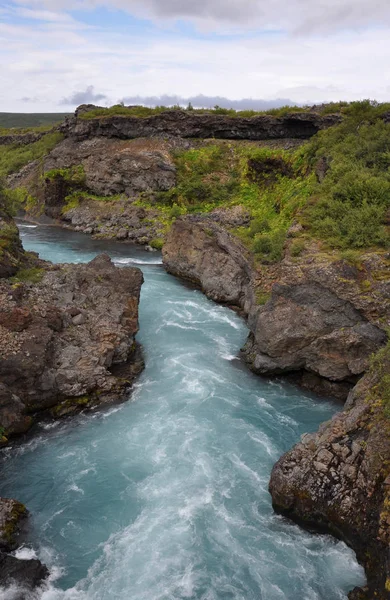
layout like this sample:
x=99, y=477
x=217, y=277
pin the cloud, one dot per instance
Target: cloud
x=299, y=16
x=27, y=100
x=201, y=101
x=56, y=61
x=85, y=97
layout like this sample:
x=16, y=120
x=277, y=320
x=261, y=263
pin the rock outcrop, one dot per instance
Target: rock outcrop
x=338, y=480
x=24, y=574
x=203, y=252
x=184, y=124
x=311, y=317
x=67, y=343
x=11, y=249
x=63, y=337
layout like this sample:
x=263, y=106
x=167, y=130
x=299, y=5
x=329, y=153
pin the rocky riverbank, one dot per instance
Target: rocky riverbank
x=67, y=336
x=313, y=320
x=267, y=231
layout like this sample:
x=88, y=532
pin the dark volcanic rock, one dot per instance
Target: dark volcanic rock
x=12, y=516
x=186, y=125
x=338, y=480
x=206, y=254
x=317, y=323
x=25, y=574
x=307, y=326
x=11, y=250
x=61, y=339
x=113, y=166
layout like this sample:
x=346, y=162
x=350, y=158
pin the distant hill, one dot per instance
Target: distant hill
x=30, y=119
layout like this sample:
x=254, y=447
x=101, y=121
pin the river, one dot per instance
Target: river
x=164, y=497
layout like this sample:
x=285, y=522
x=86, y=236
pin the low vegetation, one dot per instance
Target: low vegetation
x=30, y=120
x=336, y=187
x=14, y=157
x=346, y=206
x=380, y=366
x=120, y=110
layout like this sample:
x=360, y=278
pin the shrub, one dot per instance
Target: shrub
x=157, y=243
x=269, y=247
x=13, y=157
x=297, y=247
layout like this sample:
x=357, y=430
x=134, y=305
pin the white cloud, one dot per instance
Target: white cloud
x=58, y=57
x=302, y=16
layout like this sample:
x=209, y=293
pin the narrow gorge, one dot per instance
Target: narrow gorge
x=259, y=215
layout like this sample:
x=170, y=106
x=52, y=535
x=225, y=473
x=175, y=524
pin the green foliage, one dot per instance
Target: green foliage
x=297, y=247
x=380, y=367
x=16, y=198
x=157, y=243
x=30, y=121
x=74, y=175
x=73, y=200
x=353, y=257
x=33, y=275
x=145, y=111
x=177, y=211
x=118, y=110
x=349, y=208
x=14, y=157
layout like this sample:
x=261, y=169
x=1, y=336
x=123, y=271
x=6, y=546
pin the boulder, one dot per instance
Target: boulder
x=64, y=336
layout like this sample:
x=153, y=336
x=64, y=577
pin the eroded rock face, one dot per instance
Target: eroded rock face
x=62, y=338
x=338, y=479
x=25, y=574
x=11, y=250
x=206, y=254
x=307, y=326
x=186, y=125
x=114, y=167
x=318, y=323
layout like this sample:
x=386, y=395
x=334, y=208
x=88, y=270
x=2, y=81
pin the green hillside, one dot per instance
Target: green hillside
x=8, y=120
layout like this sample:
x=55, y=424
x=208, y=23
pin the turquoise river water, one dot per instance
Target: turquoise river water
x=165, y=497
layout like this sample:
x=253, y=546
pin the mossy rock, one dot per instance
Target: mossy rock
x=11, y=515
x=71, y=406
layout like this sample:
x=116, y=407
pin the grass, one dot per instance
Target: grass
x=30, y=120
x=349, y=208
x=380, y=366
x=32, y=275
x=119, y=110
x=73, y=200
x=14, y=157
x=74, y=175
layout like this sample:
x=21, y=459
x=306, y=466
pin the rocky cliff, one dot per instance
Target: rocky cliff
x=67, y=343
x=338, y=479
x=64, y=336
x=184, y=124
x=309, y=317
x=313, y=319
x=27, y=574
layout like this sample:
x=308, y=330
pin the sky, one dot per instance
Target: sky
x=57, y=54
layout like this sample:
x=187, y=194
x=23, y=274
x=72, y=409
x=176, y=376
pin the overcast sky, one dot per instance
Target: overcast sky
x=56, y=54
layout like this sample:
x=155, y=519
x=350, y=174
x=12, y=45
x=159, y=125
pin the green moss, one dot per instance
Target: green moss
x=262, y=297
x=32, y=275
x=71, y=405
x=74, y=175
x=10, y=527
x=157, y=243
